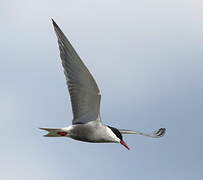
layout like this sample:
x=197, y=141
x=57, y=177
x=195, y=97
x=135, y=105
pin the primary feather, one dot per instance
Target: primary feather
x=84, y=92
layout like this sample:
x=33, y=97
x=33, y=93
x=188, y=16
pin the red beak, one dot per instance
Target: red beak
x=124, y=144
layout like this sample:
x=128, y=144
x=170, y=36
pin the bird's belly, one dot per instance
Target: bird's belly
x=89, y=134
x=91, y=140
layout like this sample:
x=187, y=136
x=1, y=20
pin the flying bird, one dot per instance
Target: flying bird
x=85, y=99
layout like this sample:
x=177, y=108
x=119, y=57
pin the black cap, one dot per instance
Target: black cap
x=116, y=132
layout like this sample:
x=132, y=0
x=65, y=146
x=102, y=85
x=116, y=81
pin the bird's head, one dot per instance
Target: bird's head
x=118, y=137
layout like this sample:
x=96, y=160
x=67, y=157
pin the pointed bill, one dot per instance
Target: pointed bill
x=124, y=144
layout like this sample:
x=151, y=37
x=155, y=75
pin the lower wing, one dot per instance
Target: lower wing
x=155, y=134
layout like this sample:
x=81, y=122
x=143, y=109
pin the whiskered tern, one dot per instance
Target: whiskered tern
x=85, y=99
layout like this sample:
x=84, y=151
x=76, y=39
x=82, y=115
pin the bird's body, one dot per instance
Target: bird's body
x=92, y=132
x=85, y=99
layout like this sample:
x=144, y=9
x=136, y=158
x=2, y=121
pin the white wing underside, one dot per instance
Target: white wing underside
x=84, y=92
x=155, y=134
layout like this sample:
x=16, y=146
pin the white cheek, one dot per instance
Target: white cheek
x=110, y=132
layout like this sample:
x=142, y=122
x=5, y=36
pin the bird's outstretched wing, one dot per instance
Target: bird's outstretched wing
x=84, y=92
x=155, y=134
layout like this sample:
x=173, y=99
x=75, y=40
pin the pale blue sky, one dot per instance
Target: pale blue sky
x=147, y=59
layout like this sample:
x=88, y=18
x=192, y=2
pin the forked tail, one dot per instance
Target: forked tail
x=54, y=132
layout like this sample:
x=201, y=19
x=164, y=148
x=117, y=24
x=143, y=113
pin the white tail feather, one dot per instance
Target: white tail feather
x=53, y=132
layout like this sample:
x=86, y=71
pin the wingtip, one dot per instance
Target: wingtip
x=54, y=23
x=161, y=132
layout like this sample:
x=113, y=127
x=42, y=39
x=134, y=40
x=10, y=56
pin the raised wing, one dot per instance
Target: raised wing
x=155, y=134
x=84, y=92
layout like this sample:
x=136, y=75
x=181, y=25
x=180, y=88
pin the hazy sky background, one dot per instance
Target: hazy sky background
x=147, y=59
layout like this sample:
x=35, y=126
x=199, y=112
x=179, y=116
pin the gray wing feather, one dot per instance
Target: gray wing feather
x=155, y=134
x=84, y=92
